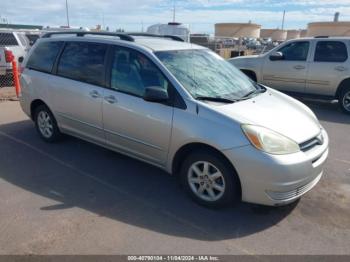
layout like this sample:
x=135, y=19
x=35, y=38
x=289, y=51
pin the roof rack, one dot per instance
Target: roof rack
x=322, y=36
x=173, y=37
x=122, y=36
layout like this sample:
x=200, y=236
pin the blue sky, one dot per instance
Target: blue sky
x=200, y=15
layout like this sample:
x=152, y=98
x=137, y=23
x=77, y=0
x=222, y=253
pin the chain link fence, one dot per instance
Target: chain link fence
x=12, y=46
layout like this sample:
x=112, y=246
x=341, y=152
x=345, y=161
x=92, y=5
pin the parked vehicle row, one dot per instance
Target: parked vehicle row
x=177, y=106
x=316, y=67
x=14, y=45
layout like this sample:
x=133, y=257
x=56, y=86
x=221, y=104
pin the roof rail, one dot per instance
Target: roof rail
x=173, y=37
x=122, y=36
x=322, y=36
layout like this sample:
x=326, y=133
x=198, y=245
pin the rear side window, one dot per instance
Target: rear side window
x=330, y=51
x=7, y=39
x=296, y=51
x=83, y=62
x=43, y=56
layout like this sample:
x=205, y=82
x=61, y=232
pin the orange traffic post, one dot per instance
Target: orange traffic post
x=16, y=78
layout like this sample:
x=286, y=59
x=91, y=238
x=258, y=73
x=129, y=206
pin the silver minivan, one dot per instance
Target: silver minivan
x=177, y=106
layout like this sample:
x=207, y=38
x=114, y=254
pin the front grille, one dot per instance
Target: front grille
x=294, y=193
x=310, y=144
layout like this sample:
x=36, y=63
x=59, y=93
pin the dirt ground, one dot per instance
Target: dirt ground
x=7, y=93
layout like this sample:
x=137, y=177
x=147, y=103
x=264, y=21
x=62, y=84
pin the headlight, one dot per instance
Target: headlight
x=269, y=141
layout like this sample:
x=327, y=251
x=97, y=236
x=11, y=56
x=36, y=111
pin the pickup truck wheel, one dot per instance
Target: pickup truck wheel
x=46, y=124
x=209, y=180
x=344, y=100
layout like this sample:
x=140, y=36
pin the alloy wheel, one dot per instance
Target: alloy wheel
x=206, y=181
x=346, y=101
x=45, y=124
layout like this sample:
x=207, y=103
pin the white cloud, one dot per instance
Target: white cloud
x=200, y=14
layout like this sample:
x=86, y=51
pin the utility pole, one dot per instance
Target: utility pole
x=284, y=14
x=67, y=13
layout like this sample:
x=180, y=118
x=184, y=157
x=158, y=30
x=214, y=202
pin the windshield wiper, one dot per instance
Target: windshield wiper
x=215, y=99
x=254, y=92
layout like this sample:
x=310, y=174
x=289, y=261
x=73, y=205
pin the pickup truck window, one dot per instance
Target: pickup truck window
x=44, y=56
x=295, y=51
x=8, y=39
x=330, y=51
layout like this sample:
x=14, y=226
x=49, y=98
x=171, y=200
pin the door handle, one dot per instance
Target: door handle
x=341, y=68
x=94, y=94
x=111, y=99
x=299, y=67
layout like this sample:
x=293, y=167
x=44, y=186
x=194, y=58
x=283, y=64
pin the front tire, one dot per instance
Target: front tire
x=46, y=124
x=210, y=180
x=344, y=100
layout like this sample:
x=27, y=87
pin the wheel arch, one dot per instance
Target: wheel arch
x=343, y=84
x=187, y=149
x=34, y=105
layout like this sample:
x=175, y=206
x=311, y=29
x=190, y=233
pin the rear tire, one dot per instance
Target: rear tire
x=210, y=180
x=344, y=100
x=46, y=124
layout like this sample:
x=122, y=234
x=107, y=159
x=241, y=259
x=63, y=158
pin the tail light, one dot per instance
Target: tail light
x=9, y=57
x=20, y=69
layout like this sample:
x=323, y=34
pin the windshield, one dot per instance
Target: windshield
x=205, y=74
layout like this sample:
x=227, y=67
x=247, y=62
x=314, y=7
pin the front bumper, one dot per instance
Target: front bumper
x=277, y=179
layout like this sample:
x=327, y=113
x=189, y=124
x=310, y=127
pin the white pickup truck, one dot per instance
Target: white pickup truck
x=12, y=43
x=317, y=67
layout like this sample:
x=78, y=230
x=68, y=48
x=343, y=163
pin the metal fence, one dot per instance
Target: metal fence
x=9, y=45
x=12, y=47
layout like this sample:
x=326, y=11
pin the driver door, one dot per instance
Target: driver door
x=132, y=125
x=290, y=73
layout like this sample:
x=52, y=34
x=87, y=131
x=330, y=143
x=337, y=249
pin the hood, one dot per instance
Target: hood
x=247, y=62
x=275, y=111
x=245, y=57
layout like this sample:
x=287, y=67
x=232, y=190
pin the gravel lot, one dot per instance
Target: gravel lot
x=77, y=198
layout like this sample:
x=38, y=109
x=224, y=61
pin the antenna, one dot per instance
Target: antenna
x=174, y=11
x=67, y=14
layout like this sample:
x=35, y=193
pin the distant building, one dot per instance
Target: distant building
x=19, y=26
x=237, y=30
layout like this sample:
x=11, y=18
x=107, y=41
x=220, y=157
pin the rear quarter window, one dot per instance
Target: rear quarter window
x=8, y=39
x=43, y=56
x=331, y=51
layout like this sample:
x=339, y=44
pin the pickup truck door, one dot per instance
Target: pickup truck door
x=328, y=68
x=290, y=73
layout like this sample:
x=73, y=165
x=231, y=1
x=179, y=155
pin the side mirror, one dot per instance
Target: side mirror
x=277, y=56
x=20, y=59
x=155, y=94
